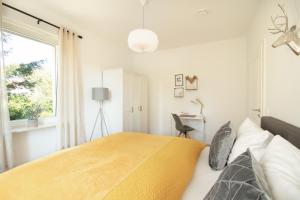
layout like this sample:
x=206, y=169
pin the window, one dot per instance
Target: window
x=30, y=77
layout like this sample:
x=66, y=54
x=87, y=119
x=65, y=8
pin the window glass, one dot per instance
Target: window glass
x=30, y=77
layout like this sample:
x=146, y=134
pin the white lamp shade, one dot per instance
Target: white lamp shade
x=142, y=40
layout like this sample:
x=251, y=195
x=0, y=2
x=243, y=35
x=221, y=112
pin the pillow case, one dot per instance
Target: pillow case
x=242, y=179
x=257, y=141
x=281, y=164
x=220, y=147
x=248, y=126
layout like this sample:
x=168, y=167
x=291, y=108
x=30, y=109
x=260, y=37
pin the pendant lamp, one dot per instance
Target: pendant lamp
x=143, y=40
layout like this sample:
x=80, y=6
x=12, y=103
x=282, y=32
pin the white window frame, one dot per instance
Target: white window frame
x=37, y=34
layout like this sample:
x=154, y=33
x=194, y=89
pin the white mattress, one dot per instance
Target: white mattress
x=203, y=179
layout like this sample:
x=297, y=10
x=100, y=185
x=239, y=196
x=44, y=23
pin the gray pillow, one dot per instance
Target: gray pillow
x=240, y=181
x=221, y=146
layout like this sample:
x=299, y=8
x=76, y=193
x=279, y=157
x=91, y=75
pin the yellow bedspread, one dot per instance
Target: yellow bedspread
x=125, y=166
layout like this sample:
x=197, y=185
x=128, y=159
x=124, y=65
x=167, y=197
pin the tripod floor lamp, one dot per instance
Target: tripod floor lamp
x=100, y=95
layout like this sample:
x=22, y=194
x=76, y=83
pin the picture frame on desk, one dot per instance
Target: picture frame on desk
x=179, y=80
x=179, y=92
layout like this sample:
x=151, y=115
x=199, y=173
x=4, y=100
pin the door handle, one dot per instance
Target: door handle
x=257, y=110
x=140, y=108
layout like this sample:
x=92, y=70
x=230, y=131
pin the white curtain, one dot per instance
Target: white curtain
x=6, y=155
x=69, y=95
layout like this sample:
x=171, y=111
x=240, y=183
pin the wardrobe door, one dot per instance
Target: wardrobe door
x=135, y=103
x=144, y=105
x=128, y=108
x=137, y=88
x=113, y=108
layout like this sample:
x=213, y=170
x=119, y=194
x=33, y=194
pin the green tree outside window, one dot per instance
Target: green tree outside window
x=29, y=88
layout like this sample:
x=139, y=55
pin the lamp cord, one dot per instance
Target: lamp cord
x=143, y=16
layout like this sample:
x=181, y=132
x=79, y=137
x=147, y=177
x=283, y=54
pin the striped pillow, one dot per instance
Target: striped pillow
x=241, y=179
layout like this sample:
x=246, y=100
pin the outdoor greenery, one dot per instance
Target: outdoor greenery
x=29, y=89
x=34, y=112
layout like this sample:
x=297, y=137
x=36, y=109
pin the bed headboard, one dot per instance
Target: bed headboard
x=284, y=129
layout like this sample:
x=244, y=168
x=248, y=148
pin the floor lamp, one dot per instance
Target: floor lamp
x=100, y=95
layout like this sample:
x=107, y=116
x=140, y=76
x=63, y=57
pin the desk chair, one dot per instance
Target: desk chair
x=183, y=129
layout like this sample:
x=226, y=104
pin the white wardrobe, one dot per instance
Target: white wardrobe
x=127, y=107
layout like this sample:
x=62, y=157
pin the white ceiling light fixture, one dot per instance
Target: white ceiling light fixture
x=202, y=11
x=143, y=40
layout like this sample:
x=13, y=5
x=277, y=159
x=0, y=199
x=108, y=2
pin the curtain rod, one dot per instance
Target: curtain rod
x=37, y=18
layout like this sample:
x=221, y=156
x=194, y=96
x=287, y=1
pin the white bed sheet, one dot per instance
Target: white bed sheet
x=203, y=179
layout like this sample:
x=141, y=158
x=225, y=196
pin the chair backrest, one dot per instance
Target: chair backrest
x=178, y=122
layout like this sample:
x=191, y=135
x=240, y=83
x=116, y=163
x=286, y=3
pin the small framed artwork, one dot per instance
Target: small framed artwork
x=191, y=82
x=178, y=80
x=179, y=92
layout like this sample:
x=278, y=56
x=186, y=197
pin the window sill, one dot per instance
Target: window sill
x=27, y=129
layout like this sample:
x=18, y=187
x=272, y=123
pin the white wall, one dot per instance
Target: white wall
x=96, y=54
x=221, y=68
x=33, y=144
x=282, y=66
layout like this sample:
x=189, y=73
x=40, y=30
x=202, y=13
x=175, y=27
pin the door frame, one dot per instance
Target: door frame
x=263, y=78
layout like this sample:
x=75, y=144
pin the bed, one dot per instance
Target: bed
x=147, y=167
x=204, y=177
x=127, y=166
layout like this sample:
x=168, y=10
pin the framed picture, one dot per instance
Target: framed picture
x=191, y=82
x=179, y=92
x=178, y=80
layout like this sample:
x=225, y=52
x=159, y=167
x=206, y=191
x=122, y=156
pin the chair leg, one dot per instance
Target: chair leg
x=186, y=134
x=179, y=134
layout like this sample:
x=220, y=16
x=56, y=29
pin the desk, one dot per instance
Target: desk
x=195, y=121
x=191, y=117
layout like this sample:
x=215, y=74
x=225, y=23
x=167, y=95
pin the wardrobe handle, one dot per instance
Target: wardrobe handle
x=132, y=109
x=141, y=108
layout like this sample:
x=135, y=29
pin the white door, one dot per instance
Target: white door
x=137, y=88
x=140, y=104
x=144, y=105
x=128, y=114
x=256, y=85
x=135, y=103
x=113, y=80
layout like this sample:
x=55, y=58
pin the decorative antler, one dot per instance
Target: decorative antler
x=278, y=27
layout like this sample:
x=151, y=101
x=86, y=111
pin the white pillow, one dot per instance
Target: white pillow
x=281, y=165
x=248, y=126
x=256, y=141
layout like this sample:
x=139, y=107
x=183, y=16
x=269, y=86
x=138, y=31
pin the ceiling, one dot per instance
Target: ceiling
x=176, y=22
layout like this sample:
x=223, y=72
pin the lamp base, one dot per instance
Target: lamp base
x=102, y=121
